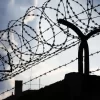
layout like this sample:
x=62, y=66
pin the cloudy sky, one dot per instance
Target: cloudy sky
x=12, y=10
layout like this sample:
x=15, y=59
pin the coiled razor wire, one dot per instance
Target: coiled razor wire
x=22, y=46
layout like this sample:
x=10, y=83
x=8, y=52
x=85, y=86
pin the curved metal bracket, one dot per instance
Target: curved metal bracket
x=83, y=46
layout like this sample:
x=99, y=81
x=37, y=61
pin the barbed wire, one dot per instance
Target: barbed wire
x=31, y=46
x=95, y=70
x=50, y=71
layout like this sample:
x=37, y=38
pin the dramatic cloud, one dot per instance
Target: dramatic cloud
x=12, y=10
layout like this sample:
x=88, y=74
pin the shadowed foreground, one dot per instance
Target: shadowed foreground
x=75, y=86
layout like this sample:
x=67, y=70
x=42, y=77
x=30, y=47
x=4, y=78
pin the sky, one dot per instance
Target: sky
x=12, y=10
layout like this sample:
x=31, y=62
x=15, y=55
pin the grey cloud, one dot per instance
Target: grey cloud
x=9, y=11
x=24, y=3
x=4, y=85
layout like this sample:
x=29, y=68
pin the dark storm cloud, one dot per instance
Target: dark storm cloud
x=11, y=10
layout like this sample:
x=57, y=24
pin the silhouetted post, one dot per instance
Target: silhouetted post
x=83, y=46
x=18, y=88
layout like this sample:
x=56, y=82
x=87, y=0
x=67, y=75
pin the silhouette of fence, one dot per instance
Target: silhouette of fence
x=29, y=55
x=33, y=47
x=10, y=91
